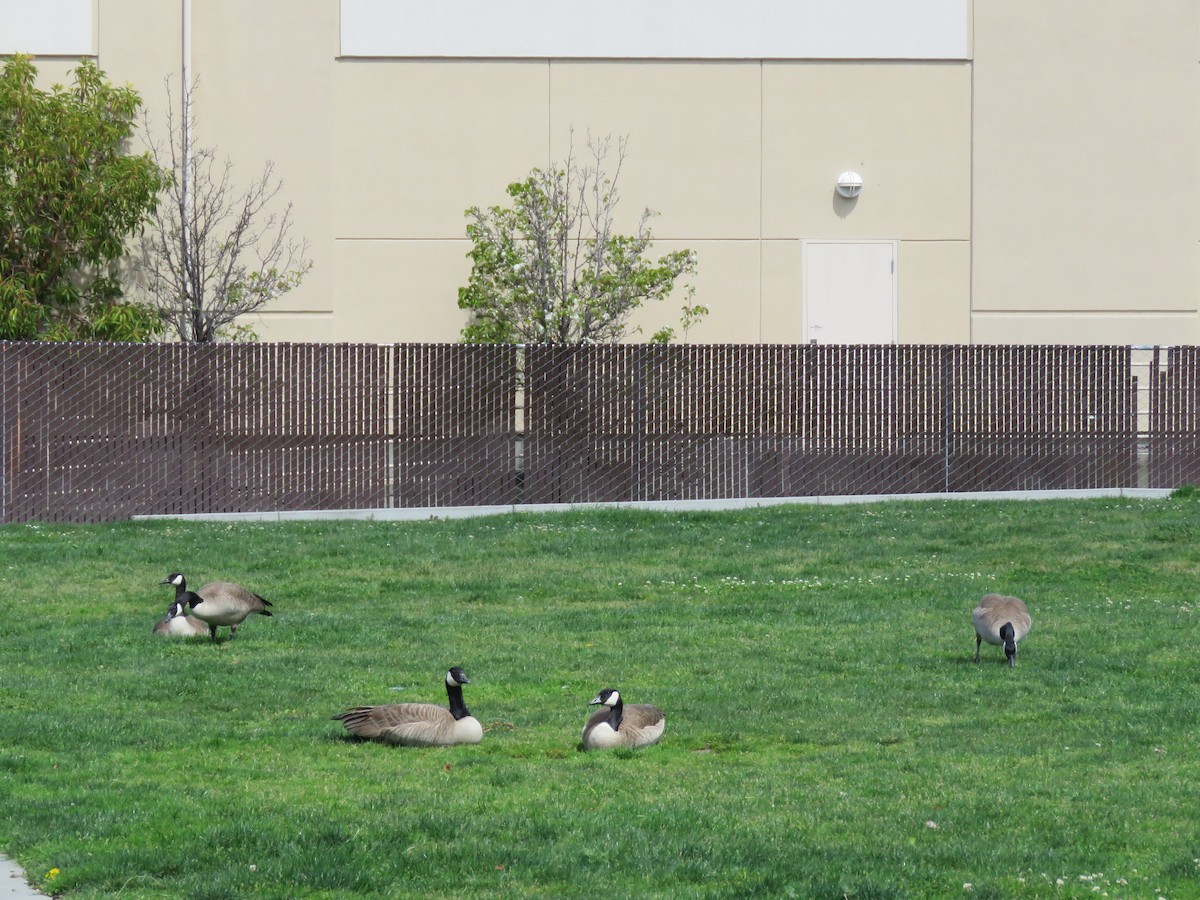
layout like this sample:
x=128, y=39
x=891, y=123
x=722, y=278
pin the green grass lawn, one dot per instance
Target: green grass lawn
x=827, y=733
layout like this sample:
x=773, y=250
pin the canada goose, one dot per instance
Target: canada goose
x=418, y=724
x=1002, y=621
x=618, y=725
x=178, y=623
x=218, y=603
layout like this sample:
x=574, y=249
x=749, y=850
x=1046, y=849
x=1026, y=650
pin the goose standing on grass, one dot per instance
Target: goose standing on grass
x=218, y=603
x=618, y=725
x=1002, y=621
x=418, y=724
x=178, y=623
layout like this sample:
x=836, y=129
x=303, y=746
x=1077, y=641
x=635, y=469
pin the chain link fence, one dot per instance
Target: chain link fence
x=101, y=432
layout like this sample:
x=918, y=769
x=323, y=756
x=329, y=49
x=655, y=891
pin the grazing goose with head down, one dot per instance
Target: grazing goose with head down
x=1002, y=621
x=621, y=725
x=218, y=603
x=418, y=724
x=178, y=623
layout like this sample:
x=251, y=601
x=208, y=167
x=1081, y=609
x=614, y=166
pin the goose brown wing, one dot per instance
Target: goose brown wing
x=235, y=593
x=646, y=724
x=399, y=723
x=643, y=715
x=1020, y=618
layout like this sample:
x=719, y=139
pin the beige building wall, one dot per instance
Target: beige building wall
x=265, y=91
x=416, y=144
x=1086, y=183
x=1041, y=177
x=738, y=158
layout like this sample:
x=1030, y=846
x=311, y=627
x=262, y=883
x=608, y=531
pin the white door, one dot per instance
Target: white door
x=850, y=292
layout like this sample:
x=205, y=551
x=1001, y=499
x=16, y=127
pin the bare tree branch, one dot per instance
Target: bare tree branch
x=213, y=254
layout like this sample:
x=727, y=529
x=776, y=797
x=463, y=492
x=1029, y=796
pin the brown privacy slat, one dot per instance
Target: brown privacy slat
x=456, y=425
x=1173, y=446
x=97, y=432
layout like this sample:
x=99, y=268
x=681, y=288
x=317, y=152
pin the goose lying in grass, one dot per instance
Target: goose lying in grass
x=418, y=724
x=178, y=623
x=1002, y=621
x=618, y=725
x=218, y=603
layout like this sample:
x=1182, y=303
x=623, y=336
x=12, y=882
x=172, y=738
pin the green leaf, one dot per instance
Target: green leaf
x=69, y=199
x=550, y=269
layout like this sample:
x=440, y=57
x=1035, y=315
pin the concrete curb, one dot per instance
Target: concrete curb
x=409, y=514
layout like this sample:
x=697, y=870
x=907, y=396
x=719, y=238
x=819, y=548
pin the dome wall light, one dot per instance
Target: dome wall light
x=849, y=184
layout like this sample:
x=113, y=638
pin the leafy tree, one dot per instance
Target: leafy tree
x=552, y=269
x=70, y=196
x=215, y=254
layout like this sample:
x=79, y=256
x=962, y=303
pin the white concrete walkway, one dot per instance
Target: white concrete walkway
x=13, y=885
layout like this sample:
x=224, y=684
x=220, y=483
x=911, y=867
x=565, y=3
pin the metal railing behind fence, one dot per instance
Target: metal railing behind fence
x=99, y=432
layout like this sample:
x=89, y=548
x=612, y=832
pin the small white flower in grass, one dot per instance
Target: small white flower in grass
x=931, y=824
x=968, y=887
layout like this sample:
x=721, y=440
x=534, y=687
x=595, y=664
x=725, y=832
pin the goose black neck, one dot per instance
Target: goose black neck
x=615, y=714
x=1009, y=636
x=458, y=709
x=186, y=597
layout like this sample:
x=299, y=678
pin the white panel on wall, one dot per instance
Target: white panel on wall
x=657, y=29
x=46, y=27
x=850, y=292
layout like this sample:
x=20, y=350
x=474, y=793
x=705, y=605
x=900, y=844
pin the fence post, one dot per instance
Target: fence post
x=520, y=416
x=947, y=413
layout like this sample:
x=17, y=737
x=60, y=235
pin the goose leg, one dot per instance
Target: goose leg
x=212, y=630
x=978, y=641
